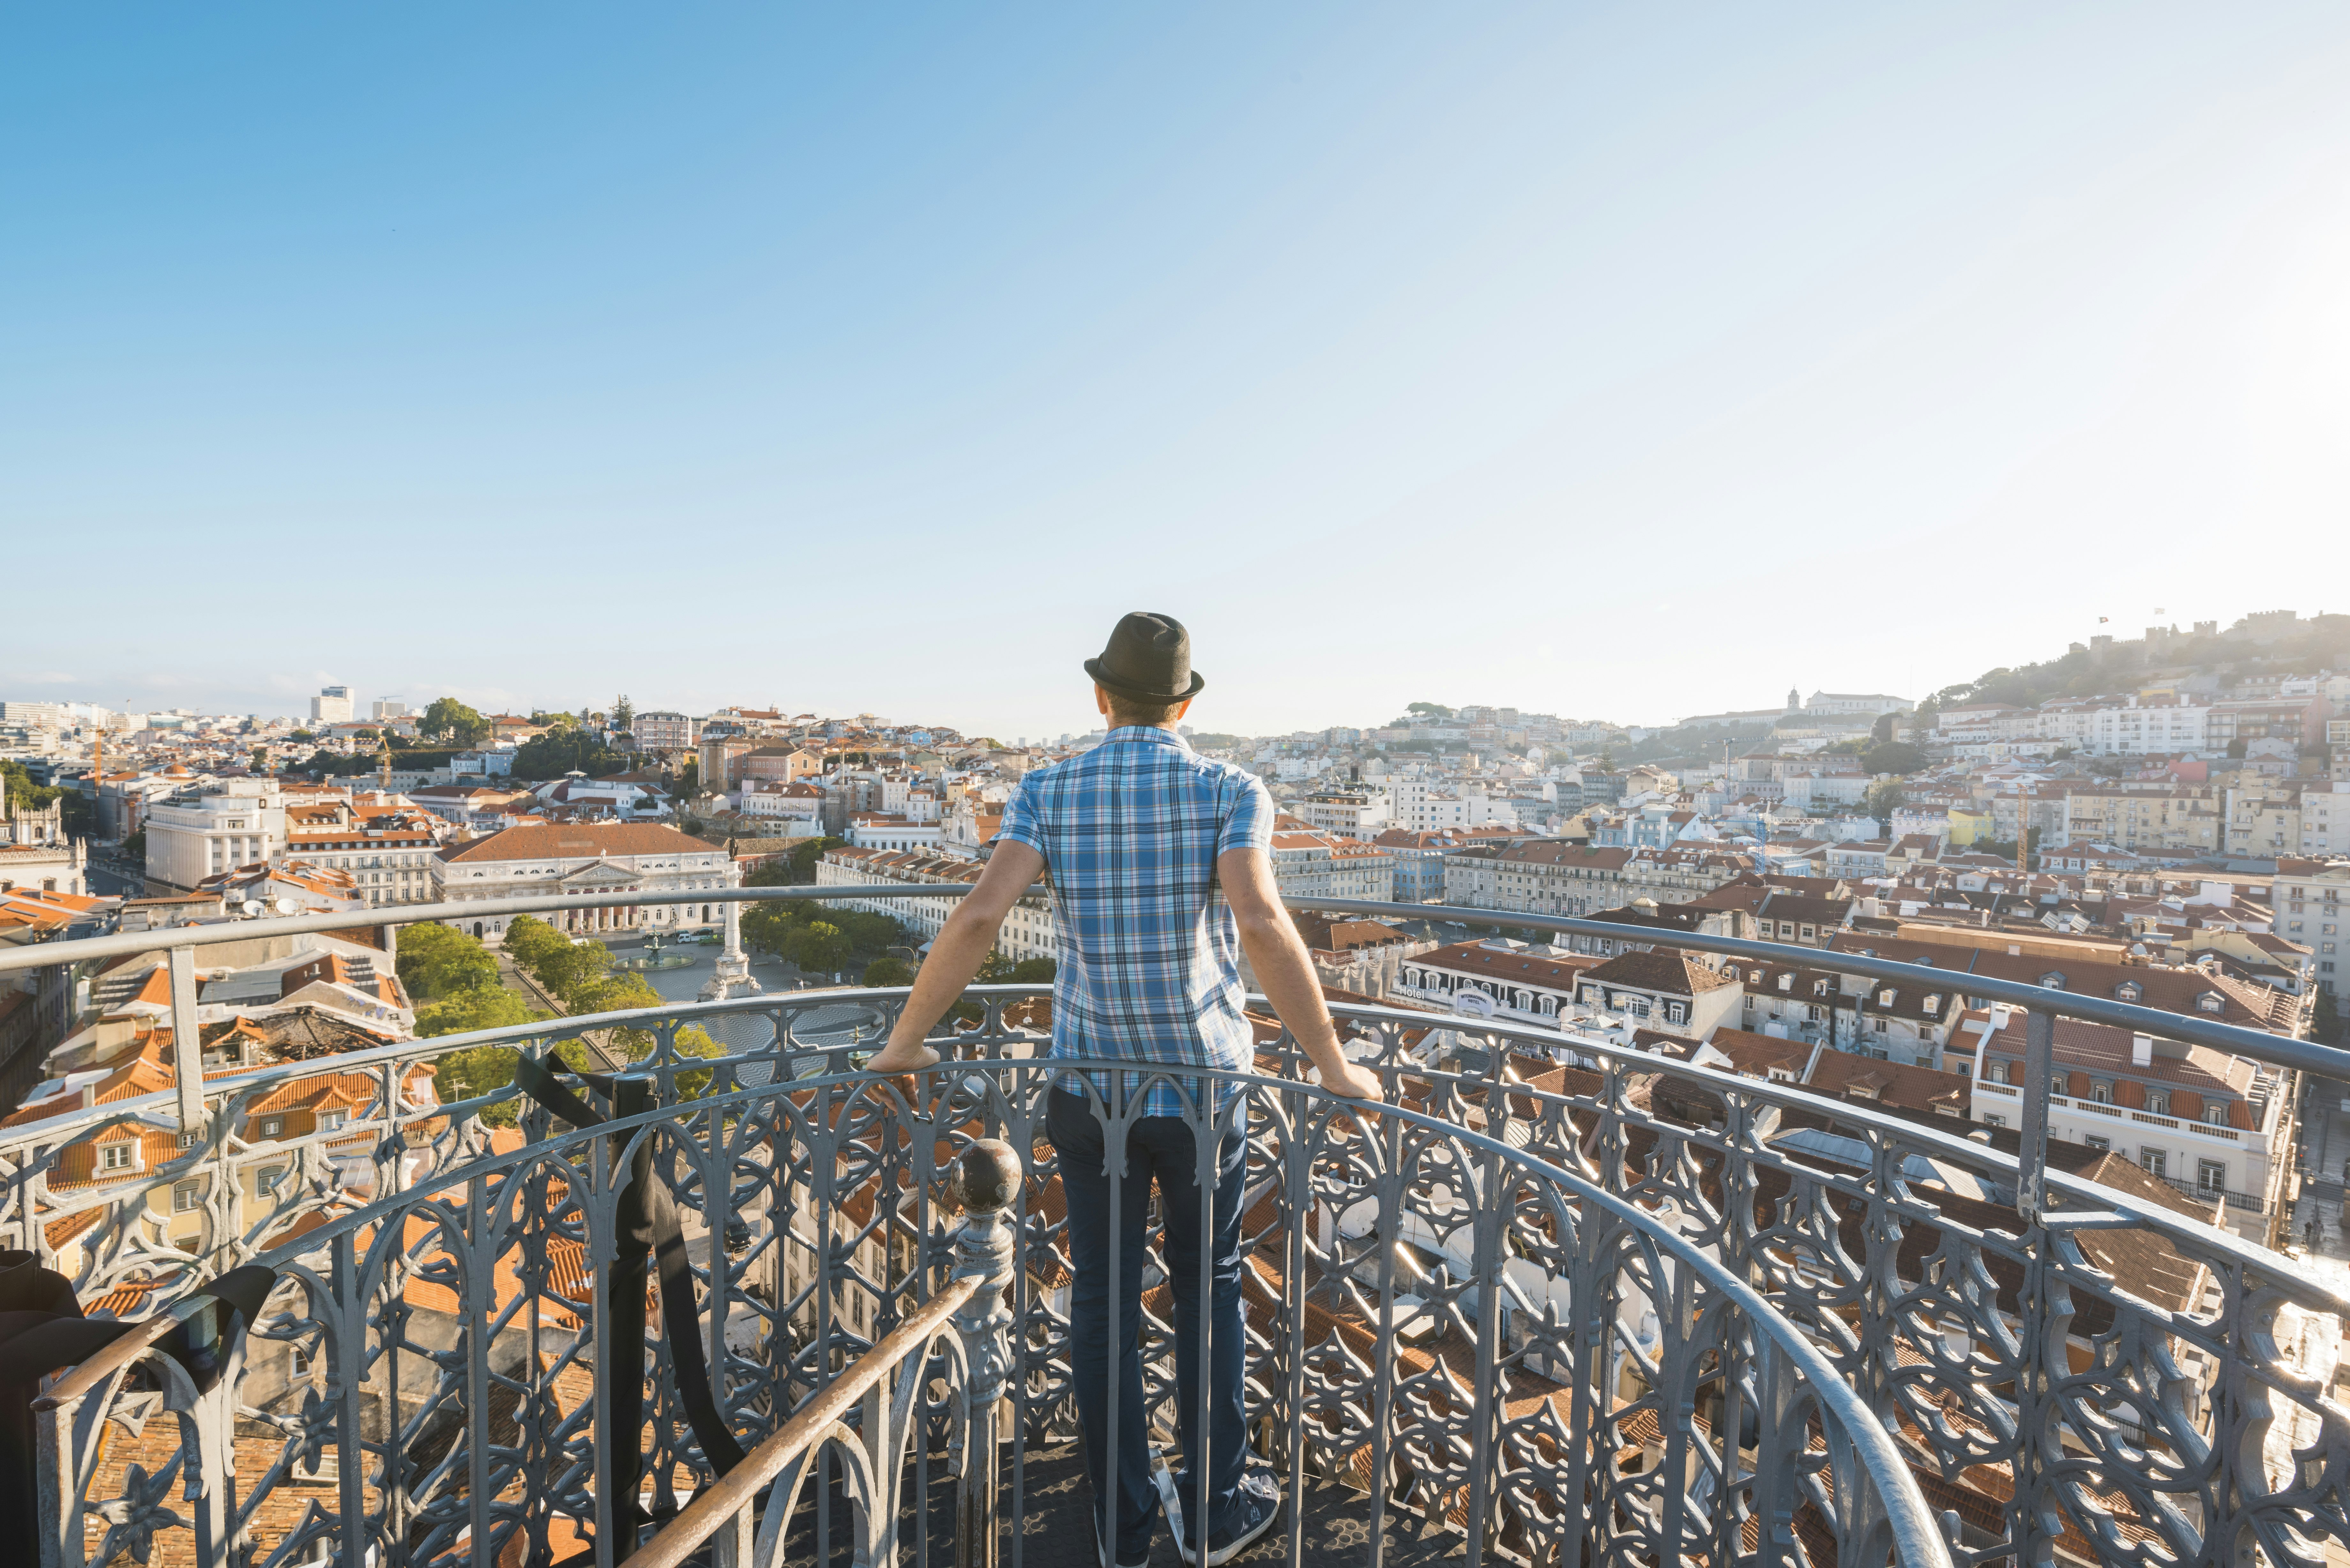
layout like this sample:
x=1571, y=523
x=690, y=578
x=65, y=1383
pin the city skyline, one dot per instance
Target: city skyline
x=296, y=704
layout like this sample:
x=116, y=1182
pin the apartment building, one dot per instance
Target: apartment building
x=1327, y=866
x=1028, y=931
x=1351, y=814
x=212, y=828
x=664, y=730
x=2308, y=897
x=2208, y=1123
x=2188, y=819
x=1507, y=981
x=1419, y=859
x=2133, y=728
x=2263, y=823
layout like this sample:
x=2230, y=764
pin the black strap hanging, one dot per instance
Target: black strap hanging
x=42, y=1330
x=647, y=1226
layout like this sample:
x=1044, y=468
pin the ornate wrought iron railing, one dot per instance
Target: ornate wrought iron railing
x=1581, y=1302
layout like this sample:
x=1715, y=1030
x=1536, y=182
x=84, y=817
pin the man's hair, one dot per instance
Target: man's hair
x=1126, y=711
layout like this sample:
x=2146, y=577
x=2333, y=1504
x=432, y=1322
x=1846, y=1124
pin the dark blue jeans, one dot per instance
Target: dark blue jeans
x=1159, y=1149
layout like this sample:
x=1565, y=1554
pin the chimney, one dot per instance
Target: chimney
x=2141, y=1050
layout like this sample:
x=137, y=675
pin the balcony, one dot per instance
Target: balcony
x=1623, y=1310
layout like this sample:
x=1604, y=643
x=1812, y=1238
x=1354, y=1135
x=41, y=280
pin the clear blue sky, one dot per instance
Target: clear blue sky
x=1614, y=361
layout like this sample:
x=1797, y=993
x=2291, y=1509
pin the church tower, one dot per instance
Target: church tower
x=1795, y=700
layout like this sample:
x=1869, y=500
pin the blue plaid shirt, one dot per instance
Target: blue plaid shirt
x=1149, y=965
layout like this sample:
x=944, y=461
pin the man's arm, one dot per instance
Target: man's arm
x=956, y=954
x=1283, y=967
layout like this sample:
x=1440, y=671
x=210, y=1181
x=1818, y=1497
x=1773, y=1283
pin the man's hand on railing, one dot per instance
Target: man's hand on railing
x=902, y=1056
x=1351, y=1079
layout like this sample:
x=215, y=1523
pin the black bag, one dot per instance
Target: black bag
x=647, y=1226
x=42, y=1331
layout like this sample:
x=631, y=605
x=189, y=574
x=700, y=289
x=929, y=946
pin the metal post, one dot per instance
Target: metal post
x=2031, y=1158
x=988, y=1179
x=187, y=1050
x=2043, y=1310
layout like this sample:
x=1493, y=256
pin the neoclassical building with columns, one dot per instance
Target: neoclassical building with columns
x=587, y=860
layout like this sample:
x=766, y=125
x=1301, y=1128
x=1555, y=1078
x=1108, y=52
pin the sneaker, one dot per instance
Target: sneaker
x=1256, y=1505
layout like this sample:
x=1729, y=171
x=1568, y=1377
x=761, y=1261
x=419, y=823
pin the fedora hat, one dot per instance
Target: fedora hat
x=1149, y=659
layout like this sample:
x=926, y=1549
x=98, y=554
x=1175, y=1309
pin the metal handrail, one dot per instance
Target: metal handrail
x=727, y=1497
x=42, y=955
x=2302, y=1055
x=1820, y=1372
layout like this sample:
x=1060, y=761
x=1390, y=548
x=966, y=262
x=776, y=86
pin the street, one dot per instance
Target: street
x=115, y=879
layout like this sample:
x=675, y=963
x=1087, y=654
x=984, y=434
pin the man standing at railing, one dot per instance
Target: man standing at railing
x=1161, y=879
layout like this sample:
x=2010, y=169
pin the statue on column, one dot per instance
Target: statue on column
x=737, y=1032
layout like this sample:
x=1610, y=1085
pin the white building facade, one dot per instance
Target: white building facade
x=584, y=861
x=212, y=828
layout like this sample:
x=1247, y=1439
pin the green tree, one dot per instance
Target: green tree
x=448, y=717
x=134, y=847
x=819, y=946
x=1428, y=710
x=559, y=751
x=1894, y=757
x=694, y=1042
x=616, y=992
x=2328, y=1024
x=1032, y=971
x=769, y=927
x=689, y=779
x=478, y=1007
x=1882, y=731
x=624, y=713
x=994, y=969
x=437, y=960
x=302, y=736
x=868, y=932
x=17, y=787
x=554, y=961
x=889, y=971
x=260, y=760
x=806, y=855
x=1884, y=797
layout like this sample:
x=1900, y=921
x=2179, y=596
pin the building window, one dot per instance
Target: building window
x=114, y=1156
x=2216, y=1113
x=332, y=1121
x=2094, y=1144
x=2211, y=1175
x=2156, y=1161
x=2159, y=1102
x=1993, y=1119
x=273, y=1127
x=2103, y=1094
x=187, y=1197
